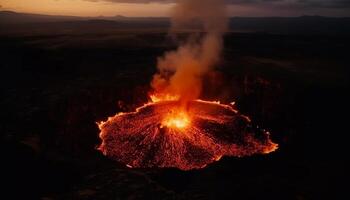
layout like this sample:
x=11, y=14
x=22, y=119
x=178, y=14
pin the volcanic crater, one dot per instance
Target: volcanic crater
x=166, y=134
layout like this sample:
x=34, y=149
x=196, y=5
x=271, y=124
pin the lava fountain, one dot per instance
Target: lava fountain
x=164, y=134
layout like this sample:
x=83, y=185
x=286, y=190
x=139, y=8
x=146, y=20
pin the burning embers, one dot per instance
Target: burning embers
x=163, y=134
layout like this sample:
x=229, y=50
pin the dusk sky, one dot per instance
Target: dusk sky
x=252, y=8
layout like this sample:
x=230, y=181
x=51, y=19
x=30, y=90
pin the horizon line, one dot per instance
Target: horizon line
x=119, y=15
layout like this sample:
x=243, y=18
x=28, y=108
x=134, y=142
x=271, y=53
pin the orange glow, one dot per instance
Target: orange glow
x=273, y=147
x=270, y=148
x=177, y=120
x=163, y=97
x=86, y=8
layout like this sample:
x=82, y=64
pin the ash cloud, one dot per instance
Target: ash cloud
x=181, y=71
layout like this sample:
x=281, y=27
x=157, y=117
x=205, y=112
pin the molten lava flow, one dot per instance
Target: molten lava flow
x=164, y=134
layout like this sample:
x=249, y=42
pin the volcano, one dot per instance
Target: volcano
x=175, y=130
x=165, y=134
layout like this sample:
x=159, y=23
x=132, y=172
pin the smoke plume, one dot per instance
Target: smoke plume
x=180, y=72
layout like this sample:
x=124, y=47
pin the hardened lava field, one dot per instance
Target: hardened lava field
x=162, y=134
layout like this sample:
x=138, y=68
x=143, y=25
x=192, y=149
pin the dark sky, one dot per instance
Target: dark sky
x=275, y=7
x=294, y=4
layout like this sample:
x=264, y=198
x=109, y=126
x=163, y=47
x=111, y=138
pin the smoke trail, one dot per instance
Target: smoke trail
x=181, y=71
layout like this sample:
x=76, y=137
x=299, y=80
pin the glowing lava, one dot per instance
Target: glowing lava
x=163, y=97
x=163, y=134
x=176, y=120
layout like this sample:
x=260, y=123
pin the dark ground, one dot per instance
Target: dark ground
x=56, y=85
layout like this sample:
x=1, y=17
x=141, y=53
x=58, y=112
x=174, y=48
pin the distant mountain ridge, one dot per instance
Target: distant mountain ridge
x=10, y=17
x=279, y=25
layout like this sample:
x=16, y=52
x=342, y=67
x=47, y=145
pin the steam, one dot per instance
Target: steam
x=180, y=72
